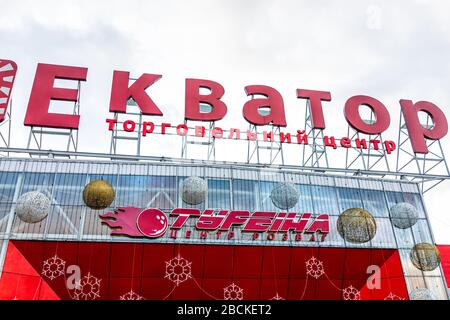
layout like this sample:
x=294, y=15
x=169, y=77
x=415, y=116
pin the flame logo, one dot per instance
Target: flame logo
x=136, y=222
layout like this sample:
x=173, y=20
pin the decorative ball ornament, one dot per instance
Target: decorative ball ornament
x=404, y=215
x=98, y=194
x=421, y=294
x=425, y=256
x=284, y=196
x=194, y=190
x=356, y=225
x=32, y=207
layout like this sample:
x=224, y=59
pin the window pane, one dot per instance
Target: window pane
x=348, y=198
x=324, y=199
x=245, y=195
x=375, y=202
x=305, y=201
x=219, y=194
x=266, y=188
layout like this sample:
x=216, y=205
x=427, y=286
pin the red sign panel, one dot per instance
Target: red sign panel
x=108, y=270
x=153, y=223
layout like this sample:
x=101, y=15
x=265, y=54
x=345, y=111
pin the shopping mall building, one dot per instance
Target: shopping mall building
x=80, y=226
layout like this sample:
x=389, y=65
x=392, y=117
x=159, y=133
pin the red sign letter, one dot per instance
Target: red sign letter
x=315, y=102
x=120, y=93
x=351, y=112
x=418, y=133
x=273, y=100
x=194, y=98
x=43, y=92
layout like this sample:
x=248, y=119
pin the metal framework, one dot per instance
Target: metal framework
x=270, y=152
x=314, y=153
x=188, y=162
x=5, y=128
x=366, y=159
x=190, y=140
x=38, y=134
x=432, y=163
x=429, y=169
x=118, y=134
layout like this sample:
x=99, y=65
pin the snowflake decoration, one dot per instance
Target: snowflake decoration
x=131, y=295
x=178, y=270
x=233, y=292
x=53, y=267
x=314, y=268
x=392, y=296
x=277, y=297
x=89, y=288
x=351, y=293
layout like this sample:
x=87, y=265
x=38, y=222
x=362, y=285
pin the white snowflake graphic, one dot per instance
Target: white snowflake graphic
x=54, y=267
x=277, y=297
x=392, y=296
x=351, y=293
x=233, y=292
x=314, y=268
x=178, y=270
x=131, y=295
x=89, y=288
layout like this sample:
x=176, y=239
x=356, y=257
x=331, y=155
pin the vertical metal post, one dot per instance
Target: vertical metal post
x=11, y=215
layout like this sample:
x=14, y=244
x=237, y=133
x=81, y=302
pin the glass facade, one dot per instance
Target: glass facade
x=230, y=187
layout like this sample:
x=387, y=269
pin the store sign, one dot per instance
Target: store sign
x=264, y=107
x=217, y=224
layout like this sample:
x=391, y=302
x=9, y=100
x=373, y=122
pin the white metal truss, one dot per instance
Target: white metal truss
x=314, y=153
x=118, y=134
x=259, y=151
x=192, y=139
x=427, y=165
x=5, y=129
x=38, y=134
x=366, y=159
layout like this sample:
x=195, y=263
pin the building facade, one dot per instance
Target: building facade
x=71, y=254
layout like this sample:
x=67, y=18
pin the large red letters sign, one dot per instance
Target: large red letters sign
x=262, y=97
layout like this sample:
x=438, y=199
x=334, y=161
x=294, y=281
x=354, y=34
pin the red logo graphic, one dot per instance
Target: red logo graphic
x=153, y=223
x=136, y=222
x=8, y=71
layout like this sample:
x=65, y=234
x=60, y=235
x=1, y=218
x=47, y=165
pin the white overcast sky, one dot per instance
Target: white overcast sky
x=387, y=49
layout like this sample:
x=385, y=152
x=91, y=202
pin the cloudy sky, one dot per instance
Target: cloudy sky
x=390, y=50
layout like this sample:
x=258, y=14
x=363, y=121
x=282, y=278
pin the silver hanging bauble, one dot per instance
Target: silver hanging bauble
x=404, y=215
x=284, y=196
x=194, y=190
x=32, y=207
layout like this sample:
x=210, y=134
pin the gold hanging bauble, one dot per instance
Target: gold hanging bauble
x=98, y=194
x=356, y=225
x=425, y=256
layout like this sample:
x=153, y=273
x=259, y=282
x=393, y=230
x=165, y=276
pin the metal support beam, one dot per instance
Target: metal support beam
x=366, y=159
x=426, y=165
x=190, y=140
x=190, y=162
x=5, y=128
x=314, y=153
x=118, y=135
x=270, y=151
